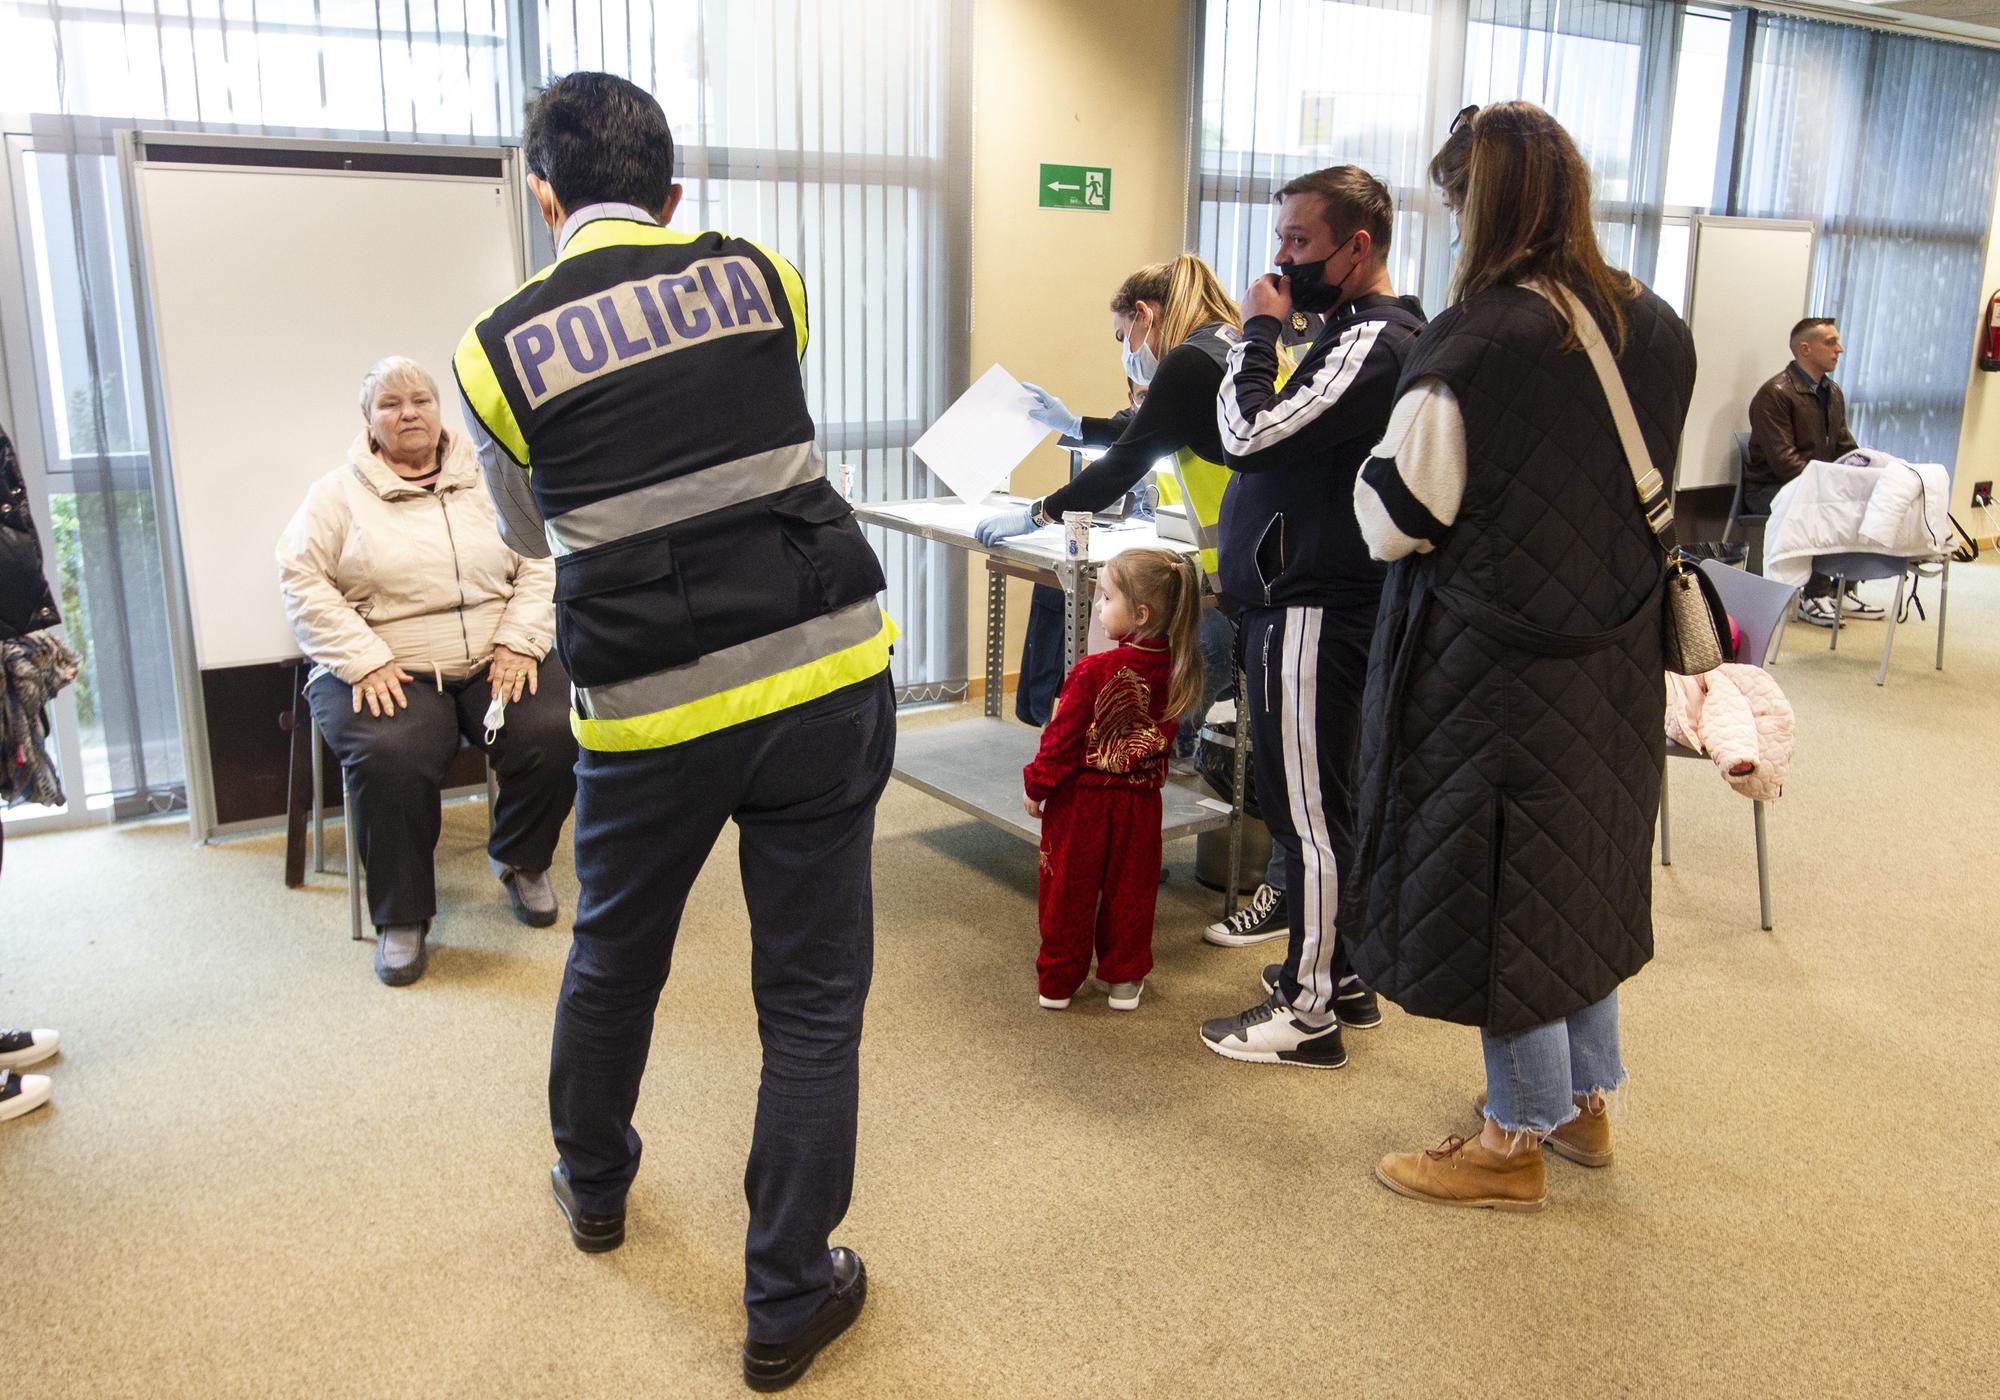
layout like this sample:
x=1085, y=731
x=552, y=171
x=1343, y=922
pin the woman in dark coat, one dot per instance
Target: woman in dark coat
x=1515, y=712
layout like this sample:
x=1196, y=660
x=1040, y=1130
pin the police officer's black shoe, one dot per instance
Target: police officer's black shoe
x=593, y=1234
x=775, y=1365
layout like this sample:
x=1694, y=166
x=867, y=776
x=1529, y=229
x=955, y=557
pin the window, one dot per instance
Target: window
x=1273, y=107
x=818, y=129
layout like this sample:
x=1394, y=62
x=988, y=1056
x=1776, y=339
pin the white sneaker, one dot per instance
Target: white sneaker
x=1270, y=1033
x=1818, y=611
x=19, y=1049
x=1124, y=996
x=21, y=1093
x=1857, y=606
x=1053, y=1003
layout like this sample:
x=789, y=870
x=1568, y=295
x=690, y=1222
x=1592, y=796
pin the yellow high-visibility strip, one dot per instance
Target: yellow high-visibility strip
x=619, y=233
x=481, y=388
x=795, y=291
x=753, y=700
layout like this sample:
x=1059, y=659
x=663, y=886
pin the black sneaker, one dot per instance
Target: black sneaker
x=1259, y=921
x=1355, y=1005
x=1269, y=1034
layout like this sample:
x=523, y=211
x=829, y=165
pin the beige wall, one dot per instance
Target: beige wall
x=1979, y=435
x=1098, y=83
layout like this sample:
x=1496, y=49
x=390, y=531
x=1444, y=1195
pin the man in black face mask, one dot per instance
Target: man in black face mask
x=1294, y=561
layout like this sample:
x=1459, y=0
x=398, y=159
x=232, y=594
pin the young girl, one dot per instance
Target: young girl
x=1096, y=782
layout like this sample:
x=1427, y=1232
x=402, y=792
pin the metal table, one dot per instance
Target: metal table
x=975, y=764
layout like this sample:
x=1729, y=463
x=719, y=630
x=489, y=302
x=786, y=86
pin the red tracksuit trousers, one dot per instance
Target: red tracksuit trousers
x=1100, y=880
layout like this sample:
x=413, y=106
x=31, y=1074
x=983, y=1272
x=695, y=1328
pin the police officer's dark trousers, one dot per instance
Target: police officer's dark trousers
x=801, y=787
x=1305, y=668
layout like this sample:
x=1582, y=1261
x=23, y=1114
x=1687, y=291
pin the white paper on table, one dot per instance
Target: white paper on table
x=976, y=443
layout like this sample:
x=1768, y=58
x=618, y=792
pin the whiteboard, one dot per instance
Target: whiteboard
x=272, y=292
x=1749, y=280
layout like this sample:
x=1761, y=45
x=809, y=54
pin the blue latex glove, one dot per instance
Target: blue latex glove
x=995, y=528
x=1052, y=412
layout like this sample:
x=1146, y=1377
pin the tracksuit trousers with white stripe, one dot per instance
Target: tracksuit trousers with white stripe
x=1305, y=668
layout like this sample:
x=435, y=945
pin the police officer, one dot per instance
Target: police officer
x=640, y=414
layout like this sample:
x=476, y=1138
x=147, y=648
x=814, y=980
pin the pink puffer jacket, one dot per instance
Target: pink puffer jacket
x=1739, y=717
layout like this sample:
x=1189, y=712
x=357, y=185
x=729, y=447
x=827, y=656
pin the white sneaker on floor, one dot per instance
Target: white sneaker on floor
x=1124, y=996
x=1857, y=606
x=19, y=1049
x=1817, y=611
x=21, y=1093
x=1053, y=1003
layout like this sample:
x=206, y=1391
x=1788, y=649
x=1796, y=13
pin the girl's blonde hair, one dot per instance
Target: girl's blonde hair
x=1187, y=293
x=1169, y=585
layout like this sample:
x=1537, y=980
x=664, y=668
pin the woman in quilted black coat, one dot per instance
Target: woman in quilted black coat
x=1510, y=767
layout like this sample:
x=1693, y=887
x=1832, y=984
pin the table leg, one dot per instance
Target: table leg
x=1240, y=762
x=1079, y=582
x=996, y=642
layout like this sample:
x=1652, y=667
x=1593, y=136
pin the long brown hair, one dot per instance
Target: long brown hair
x=1188, y=294
x=1523, y=195
x=1168, y=585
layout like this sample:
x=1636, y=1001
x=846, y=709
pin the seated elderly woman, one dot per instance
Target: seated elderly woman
x=422, y=625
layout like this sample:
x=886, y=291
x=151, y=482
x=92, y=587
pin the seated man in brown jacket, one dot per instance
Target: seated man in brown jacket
x=1800, y=416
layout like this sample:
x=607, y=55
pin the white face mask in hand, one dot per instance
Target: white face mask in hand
x=496, y=717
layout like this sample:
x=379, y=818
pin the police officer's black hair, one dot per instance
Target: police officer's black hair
x=598, y=139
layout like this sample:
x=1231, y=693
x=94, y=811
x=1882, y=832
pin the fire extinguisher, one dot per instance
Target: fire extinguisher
x=1989, y=335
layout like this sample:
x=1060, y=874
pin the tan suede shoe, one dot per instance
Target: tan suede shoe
x=1460, y=1172
x=1584, y=1140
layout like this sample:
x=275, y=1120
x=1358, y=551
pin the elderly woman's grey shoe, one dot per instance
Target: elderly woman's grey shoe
x=529, y=891
x=399, y=953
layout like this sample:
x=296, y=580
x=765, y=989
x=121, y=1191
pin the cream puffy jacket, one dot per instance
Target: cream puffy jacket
x=375, y=570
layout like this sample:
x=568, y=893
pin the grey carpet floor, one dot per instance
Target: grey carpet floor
x=265, y=1174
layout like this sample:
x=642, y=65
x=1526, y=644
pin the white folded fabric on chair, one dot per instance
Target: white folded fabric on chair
x=1893, y=507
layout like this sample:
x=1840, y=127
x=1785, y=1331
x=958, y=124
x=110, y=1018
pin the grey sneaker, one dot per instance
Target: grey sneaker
x=1124, y=996
x=1354, y=1004
x=533, y=900
x=399, y=953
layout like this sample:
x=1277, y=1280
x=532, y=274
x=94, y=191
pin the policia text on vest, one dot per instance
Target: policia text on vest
x=645, y=392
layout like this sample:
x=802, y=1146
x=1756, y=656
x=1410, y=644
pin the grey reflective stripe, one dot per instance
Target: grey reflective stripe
x=755, y=660
x=685, y=497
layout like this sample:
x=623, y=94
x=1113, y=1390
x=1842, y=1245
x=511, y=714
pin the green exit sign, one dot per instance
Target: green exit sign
x=1075, y=187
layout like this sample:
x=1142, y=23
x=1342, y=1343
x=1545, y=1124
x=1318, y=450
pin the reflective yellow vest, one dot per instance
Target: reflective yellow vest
x=707, y=573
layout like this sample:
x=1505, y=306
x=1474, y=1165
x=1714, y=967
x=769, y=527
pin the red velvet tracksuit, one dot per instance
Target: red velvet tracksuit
x=1102, y=763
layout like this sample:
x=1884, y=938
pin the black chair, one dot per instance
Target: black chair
x=1752, y=525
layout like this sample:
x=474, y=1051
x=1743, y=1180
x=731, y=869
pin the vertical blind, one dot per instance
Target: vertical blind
x=1887, y=142
x=819, y=128
x=1605, y=70
x=1284, y=91
x=1281, y=95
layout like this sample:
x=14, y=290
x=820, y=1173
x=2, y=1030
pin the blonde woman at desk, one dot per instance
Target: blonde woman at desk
x=1174, y=326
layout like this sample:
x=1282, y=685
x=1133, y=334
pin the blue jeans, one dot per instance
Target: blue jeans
x=1531, y=1075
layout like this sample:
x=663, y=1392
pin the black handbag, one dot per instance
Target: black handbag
x=1694, y=626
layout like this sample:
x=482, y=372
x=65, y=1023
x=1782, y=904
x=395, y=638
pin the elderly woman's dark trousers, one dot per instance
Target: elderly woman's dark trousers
x=395, y=768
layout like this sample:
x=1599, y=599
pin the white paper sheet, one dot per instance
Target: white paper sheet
x=976, y=443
